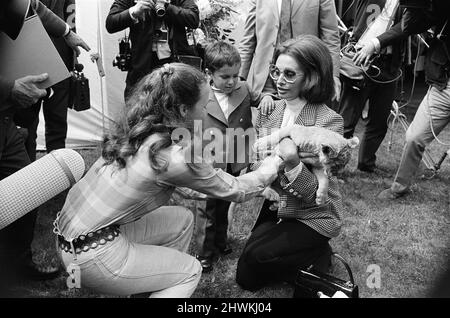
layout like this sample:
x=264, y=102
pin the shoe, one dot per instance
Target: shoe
x=206, y=262
x=368, y=169
x=389, y=194
x=33, y=271
x=226, y=250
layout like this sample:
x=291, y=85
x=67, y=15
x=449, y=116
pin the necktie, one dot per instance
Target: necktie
x=285, y=30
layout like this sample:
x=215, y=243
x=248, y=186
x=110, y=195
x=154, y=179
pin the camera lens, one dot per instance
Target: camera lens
x=160, y=9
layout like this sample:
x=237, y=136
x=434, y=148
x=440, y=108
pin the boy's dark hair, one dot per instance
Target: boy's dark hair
x=221, y=53
x=315, y=61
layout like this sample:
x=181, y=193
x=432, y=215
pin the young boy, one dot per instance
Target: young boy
x=227, y=126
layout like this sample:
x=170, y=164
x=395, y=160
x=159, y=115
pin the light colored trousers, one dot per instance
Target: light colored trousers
x=148, y=256
x=419, y=134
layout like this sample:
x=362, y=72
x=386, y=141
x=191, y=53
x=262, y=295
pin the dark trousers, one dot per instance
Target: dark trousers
x=211, y=224
x=55, y=115
x=380, y=97
x=16, y=238
x=276, y=251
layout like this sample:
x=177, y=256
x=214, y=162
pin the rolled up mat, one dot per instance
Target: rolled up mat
x=37, y=183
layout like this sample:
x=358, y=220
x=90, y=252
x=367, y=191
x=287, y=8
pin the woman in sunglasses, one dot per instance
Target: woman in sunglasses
x=292, y=231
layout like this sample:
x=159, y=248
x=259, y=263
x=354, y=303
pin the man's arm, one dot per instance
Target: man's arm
x=247, y=44
x=119, y=17
x=329, y=32
x=186, y=14
x=413, y=21
x=55, y=26
x=5, y=91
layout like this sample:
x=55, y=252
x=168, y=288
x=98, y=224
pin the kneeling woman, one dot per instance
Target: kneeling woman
x=114, y=225
x=296, y=234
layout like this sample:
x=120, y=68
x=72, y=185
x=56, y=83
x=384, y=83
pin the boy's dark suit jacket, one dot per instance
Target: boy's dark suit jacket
x=226, y=137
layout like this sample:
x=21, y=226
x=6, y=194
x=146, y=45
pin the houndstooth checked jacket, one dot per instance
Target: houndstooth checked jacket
x=298, y=197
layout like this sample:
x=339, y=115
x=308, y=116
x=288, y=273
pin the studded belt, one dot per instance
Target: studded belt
x=84, y=243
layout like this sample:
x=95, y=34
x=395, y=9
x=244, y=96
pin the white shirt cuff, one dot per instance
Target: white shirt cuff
x=292, y=174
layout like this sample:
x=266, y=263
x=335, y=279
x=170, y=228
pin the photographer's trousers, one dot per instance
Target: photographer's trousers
x=380, y=98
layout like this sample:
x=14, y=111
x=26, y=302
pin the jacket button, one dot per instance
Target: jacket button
x=241, y=120
x=283, y=204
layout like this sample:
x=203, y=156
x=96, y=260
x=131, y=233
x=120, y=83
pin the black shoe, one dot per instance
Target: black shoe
x=206, y=262
x=226, y=250
x=368, y=169
x=33, y=271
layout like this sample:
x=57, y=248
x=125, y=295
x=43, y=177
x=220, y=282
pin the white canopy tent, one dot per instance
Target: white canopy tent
x=85, y=129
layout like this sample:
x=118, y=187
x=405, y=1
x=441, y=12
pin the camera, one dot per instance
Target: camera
x=79, y=97
x=123, y=59
x=160, y=8
x=161, y=34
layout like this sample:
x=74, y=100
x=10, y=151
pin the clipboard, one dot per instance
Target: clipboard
x=32, y=53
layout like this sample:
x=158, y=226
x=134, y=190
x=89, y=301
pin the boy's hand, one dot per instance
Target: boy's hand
x=266, y=105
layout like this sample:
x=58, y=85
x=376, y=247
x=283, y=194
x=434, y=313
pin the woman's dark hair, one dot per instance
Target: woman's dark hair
x=153, y=107
x=315, y=61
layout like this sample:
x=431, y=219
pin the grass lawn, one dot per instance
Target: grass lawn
x=407, y=238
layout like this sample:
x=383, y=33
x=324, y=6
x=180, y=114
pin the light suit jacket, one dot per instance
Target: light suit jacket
x=299, y=196
x=257, y=46
x=227, y=148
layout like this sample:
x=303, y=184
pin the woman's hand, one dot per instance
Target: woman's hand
x=266, y=105
x=310, y=159
x=364, y=54
x=288, y=151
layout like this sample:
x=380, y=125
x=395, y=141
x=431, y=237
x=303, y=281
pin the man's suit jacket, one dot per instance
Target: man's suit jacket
x=229, y=149
x=298, y=197
x=257, y=46
x=179, y=14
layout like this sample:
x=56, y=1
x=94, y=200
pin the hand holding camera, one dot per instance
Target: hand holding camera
x=141, y=7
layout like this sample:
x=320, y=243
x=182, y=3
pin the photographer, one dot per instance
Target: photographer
x=157, y=33
x=433, y=113
x=378, y=89
x=16, y=261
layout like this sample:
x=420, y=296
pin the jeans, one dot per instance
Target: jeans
x=149, y=255
x=419, y=133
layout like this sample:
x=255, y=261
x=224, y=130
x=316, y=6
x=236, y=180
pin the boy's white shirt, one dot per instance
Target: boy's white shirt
x=223, y=100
